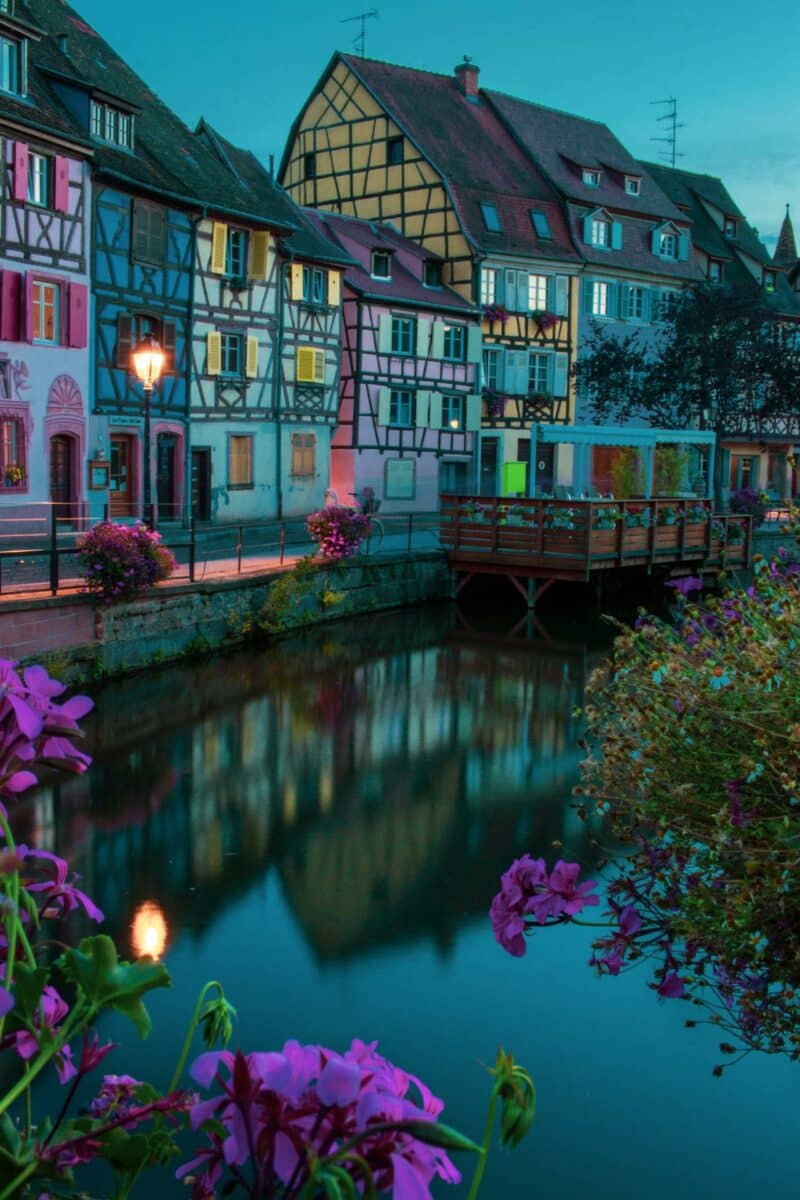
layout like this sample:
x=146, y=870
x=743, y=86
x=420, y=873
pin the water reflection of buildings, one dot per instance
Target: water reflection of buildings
x=389, y=787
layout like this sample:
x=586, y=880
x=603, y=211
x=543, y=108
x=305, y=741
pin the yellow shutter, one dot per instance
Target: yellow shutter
x=251, y=368
x=219, y=243
x=214, y=354
x=319, y=366
x=334, y=289
x=305, y=364
x=259, y=255
x=297, y=281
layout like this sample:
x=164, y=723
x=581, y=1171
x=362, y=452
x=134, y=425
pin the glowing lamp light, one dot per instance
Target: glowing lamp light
x=149, y=930
x=148, y=362
x=455, y=423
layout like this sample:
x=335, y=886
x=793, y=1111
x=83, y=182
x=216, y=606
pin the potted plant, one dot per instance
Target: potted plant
x=669, y=470
x=736, y=534
x=472, y=511
x=637, y=517
x=627, y=475
x=560, y=518
x=605, y=517
x=668, y=515
x=696, y=513
x=14, y=475
x=515, y=514
x=544, y=319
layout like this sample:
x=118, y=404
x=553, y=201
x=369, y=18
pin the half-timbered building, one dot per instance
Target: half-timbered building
x=429, y=154
x=410, y=405
x=44, y=356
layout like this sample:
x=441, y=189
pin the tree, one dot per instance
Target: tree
x=722, y=359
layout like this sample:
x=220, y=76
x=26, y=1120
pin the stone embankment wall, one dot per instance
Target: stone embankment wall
x=80, y=639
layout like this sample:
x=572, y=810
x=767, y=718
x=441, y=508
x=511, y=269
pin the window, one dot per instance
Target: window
x=455, y=477
x=770, y=281
x=537, y=292
x=455, y=343
x=232, y=351
x=39, y=176
x=309, y=166
x=601, y=233
x=394, y=151
x=453, y=412
x=12, y=66
x=635, y=303
x=492, y=373
x=668, y=302
x=149, y=227
x=537, y=373
x=432, y=273
x=240, y=460
x=591, y=177
x=730, y=227
x=668, y=245
x=315, y=285
x=633, y=185
x=488, y=286
x=399, y=482
x=541, y=224
x=236, y=254
x=7, y=6
x=12, y=454
x=304, y=454
x=490, y=217
x=381, y=265
x=599, y=305
x=46, y=306
x=401, y=409
x=714, y=270
x=310, y=365
x=404, y=332
x=111, y=125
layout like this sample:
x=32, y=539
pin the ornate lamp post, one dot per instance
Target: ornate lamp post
x=148, y=363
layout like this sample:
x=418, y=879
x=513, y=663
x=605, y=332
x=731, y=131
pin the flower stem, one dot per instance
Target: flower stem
x=193, y=1023
x=480, y=1166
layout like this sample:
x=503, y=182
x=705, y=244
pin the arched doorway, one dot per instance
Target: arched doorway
x=62, y=476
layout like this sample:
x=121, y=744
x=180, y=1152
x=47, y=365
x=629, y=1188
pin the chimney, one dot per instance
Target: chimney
x=466, y=74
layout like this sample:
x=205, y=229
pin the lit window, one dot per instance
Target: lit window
x=149, y=228
x=111, y=125
x=668, y=245
x=488, y=286
x=46, y=305
x=394, y=151
x=491, y=218
x=240, y=460
x=236, y=254
x=310, y=166
x=541, y=224
x=38, y=180
x=591, y=178
x=492, y=374
x=432, y=273
x=601, y=233
x=635, y=303
x=730, y=227
x=13, y=473
x=633, y=185
x=404, y=332
x=315, y=285
x=12, y=66
x=401, y=409
x=381, y=265
x=232, y=349
x=537, y=293
x=304, y=454
x=455, y=343
x=599, y=298
x=714, y=270
x=770, y=281
x=453, y=412
x=537, y=373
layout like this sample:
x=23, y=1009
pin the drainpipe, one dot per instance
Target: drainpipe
x=277, y=379
x=187, y=442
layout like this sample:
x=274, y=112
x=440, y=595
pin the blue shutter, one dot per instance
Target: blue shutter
x=550, y=301
x=511, y=290
x=587, y=229
x=616, y=235
x=655, y=241
x=587, y=296
x=560, y=374
x=613, y=299
x=561, y=302
x=683, y=246
x=624, y=292
x=523, y=291
x=646, y=306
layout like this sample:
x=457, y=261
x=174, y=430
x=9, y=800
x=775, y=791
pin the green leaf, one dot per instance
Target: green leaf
x=29, y=984
x=434, y=1133
x=125, y=1151
x=9, y=1135
x=108, y=983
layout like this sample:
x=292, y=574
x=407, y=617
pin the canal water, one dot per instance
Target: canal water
x=322, y=824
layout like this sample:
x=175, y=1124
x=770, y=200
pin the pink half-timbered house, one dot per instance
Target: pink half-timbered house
x=44, y=359
x=410, y=405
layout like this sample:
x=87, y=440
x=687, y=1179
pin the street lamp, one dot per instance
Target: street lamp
x=148, y=363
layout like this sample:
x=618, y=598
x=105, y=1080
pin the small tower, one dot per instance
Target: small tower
x=785, y=254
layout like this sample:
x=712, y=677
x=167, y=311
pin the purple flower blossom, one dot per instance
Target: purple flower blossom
x=527, y=890
x=686, y=584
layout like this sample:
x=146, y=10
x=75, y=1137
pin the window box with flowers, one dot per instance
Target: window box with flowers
x=736, y=533
x=495, y=404
x=697, y=517
x=14, y=476
x=668, y=530
x=496, y=312
x=514, y=514
x=472, y=511
x=605, y=523
x=545, y=320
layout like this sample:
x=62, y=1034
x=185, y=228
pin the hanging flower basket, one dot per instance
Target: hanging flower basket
x=496, y=312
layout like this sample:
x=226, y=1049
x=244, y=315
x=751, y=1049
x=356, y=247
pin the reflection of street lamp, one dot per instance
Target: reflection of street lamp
x=148, y=363
x=149, y=930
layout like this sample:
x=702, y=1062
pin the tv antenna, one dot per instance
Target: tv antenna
x=673, y=125
x=361, y=39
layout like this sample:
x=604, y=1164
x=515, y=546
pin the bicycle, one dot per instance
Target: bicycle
x=366, y=504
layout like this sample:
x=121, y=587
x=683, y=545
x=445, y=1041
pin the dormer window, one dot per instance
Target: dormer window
x=670, y=242
x=601, y=232
x=714, y=270
x=591, y=177
x=491, y=217
x=541, y=224
x=381, y=265
x=432, y=273
x=13, y=57
x=730, y=227
x=770, y=281
x=633, y=185
x=668, y=245
x=112, y=125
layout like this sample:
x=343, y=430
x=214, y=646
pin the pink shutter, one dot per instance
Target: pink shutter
x=27, y=308
x=10, y=305
x=61, y=185
x=78, y=324
x=20, y=171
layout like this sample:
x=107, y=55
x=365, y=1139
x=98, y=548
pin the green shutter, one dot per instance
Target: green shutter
x=385, y=334
x=435, y=411
x=560, y=374
x=588, y=285
x=613, y=299
x=683, y=246
x=561, y=295
x=384, y=406
x=655, y=241
x=616, y=235
x=421, y=408
x=510, y=290
x=587, y=229
x=437, y=340
x=474, y=343
x=423, y=337
x=646, y=306
x=473, y=422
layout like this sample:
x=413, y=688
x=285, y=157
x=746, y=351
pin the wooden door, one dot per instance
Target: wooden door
x=201, y=483
x=61, y=476
x=121, y=481
x=166, y=462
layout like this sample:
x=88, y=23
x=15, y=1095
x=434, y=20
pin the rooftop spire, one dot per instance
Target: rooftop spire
x=785, y=254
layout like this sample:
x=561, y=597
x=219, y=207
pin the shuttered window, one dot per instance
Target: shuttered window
x=488, y=286
x=455, y=343
x=13, y=469
x=240, y=460
x=39, y=180
x=232, y=351
x=404, y=335
x=538, y=373
x=401, y=409
x=537, y=293
x=149, y=228
x=46, y=299
x=453, y=411
x=310, y=365
x=304, y=453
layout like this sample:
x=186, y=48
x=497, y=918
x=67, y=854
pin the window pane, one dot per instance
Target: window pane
x=541, y=224
x=491, y=218
x=240, y=462
x=537, y=292
x=488, y=286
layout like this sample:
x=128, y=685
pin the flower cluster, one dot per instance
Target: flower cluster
x=530, y=896
x=496, y=312
x=282, y=1117
x=118, y=561
x=750, y=502
x=338, y=530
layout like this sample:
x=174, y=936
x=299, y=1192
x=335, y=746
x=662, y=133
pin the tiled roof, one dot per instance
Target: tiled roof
x=563, y=144
x=359, y=238
x=168, y=158
x=636, y=253
x=785, y=254
x=39, y=110
x=474, y=152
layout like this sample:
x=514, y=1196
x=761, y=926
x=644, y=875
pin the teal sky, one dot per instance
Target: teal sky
x=248, y=66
